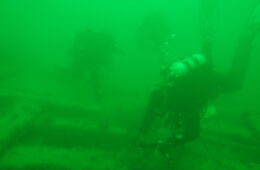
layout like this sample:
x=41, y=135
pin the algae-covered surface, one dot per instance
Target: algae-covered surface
x=65, y=142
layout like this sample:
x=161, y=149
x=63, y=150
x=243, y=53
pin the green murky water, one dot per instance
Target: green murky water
x=76, y=77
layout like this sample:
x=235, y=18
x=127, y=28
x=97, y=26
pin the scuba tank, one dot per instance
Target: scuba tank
x=183, y=67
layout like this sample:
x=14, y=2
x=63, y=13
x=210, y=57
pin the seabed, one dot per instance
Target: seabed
x=48, y=135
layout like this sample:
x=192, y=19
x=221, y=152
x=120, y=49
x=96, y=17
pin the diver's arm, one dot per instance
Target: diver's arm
x=149, y=118
x=153, y=110
x=241, y=61
x=243, y=53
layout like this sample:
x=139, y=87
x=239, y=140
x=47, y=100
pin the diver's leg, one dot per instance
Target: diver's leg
x=243, y=53
x=154, y=108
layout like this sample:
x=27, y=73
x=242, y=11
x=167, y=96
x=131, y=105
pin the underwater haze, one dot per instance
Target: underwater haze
x=78, y=76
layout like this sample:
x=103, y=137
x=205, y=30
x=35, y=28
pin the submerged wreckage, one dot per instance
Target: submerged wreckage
x=39, y=134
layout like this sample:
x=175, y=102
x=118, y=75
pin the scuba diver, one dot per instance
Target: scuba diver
x=189, y=86
x=92, y=57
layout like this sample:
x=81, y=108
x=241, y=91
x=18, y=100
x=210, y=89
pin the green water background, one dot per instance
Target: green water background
x=38, y=35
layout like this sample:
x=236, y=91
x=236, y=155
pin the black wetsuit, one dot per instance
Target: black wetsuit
x=187, y=97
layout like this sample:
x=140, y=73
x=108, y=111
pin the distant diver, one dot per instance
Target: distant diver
x=92, y=57
x=154, y=36
x=189, y=86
